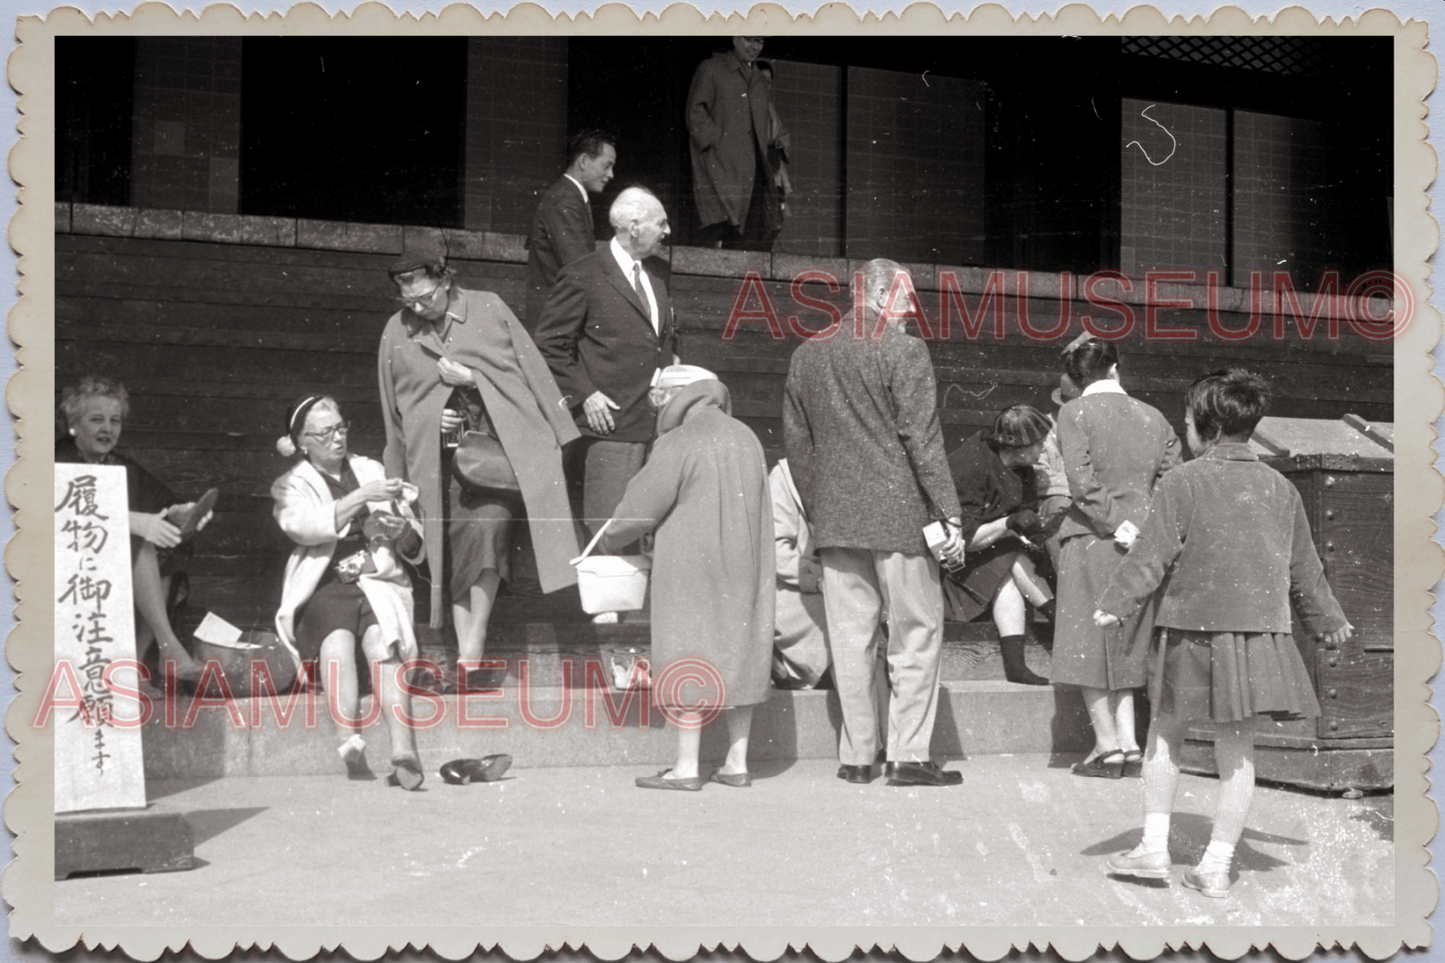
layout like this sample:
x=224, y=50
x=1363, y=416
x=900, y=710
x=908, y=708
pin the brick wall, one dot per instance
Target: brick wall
x=1172, y=211
x=516, y=128
x=915, y=167
x=186, y=144
x=809, y=100
x=1283, y=217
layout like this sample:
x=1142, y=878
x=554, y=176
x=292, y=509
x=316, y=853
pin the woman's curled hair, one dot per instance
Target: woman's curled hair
x=74, y=397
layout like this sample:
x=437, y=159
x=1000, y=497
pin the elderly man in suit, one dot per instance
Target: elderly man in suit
x=860, y=422
x=729, y=124
x=562, y=228
x=606, y=330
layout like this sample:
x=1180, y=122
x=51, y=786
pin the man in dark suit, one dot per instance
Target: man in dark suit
x=562, y=228
x=860, y=422
x=606, y=330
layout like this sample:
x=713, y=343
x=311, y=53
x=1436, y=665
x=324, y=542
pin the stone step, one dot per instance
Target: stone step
x=970, y=649
x=550, y=726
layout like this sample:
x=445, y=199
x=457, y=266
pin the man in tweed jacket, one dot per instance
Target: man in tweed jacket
x=860, y=421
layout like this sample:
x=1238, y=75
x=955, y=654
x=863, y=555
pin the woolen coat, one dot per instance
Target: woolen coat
x=860, y=422
x=522, y=401
x=306, y=511
x=704, y=491
x=596, y=334
x=728, y=123
x=1115, y=449
x=562, y=232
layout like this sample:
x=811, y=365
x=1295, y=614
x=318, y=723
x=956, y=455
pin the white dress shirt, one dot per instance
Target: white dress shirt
x=625, y=261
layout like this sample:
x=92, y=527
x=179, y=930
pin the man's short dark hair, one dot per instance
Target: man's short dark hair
x=1229, y=402
x=588, y=142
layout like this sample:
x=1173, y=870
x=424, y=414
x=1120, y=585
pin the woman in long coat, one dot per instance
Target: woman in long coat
x=705, y=492
x=1115, y=449
x=449, y=349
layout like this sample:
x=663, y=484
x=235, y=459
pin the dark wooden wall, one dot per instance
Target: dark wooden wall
x=215, y=340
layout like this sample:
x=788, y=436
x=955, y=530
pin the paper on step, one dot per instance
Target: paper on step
x=215, y=630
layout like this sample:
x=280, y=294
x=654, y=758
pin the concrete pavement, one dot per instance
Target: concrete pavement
x=1021, y=842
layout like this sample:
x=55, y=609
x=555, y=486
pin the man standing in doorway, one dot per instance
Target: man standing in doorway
x=562, y=228
x=729, y=124
x=606, y=330
x=860, y=422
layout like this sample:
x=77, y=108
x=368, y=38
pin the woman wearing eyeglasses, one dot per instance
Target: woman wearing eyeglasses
x=450, y=354
x=346, y=599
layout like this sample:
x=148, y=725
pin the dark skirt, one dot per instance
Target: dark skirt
x=334, y=606
x=478, y=533
x=1230, y=677
x=968, y=594
x=1085, y=655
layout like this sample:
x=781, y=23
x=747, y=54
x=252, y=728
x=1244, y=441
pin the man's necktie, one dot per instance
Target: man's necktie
x=637, y=283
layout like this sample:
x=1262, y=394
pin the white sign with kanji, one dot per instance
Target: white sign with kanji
x=98, y=763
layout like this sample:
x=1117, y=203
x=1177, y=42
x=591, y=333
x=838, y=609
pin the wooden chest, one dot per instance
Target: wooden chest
x=1344, y=471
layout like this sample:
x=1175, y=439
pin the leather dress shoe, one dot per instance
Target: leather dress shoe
x=1214, y=884
x=927, y=773
x=857, y=775
x=1144, y=865
x=464, y=772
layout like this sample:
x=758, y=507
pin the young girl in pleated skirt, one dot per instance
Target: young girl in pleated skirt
x=1230, y=536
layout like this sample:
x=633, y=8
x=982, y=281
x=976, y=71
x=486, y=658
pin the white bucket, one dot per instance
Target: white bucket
x=611, y=583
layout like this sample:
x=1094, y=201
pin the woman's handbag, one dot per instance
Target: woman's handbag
x=480, y=463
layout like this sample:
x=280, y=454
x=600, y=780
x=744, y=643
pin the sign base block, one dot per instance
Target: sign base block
x=134, y=840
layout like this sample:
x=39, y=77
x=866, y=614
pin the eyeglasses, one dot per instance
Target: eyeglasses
x=421, y=300
x=325, y=437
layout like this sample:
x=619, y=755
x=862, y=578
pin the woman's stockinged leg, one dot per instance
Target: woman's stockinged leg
x=150, y=601
x=1101, y=715
x=1122, y=701
x=1009, y=610
x=689, y=743
x=395, y=701
x=1028, y=583
x=338, y=671
x=740, y=727
x=471, y=615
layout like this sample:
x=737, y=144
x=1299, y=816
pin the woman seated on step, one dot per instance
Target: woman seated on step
x=92, y=414
x=993, y=472
x=346, y=598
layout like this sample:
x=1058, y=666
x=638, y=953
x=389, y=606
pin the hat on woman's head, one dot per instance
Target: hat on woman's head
x=681, y=375
x=290, y=443
x=1018, y=427
x=416, y=257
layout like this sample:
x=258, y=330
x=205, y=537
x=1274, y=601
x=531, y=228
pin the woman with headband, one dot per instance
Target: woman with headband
x=346, y=599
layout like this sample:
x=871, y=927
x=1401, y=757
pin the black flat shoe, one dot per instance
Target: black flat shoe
x=923, y=774
x=464, y=772
x=1110, y=765
x=857, y=775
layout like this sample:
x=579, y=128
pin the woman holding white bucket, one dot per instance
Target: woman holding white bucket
x=705, y=492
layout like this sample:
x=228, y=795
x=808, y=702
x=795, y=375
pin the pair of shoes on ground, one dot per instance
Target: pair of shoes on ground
x=927, y=773
x=1143, y=864
x=738, y=780
x=464, y=772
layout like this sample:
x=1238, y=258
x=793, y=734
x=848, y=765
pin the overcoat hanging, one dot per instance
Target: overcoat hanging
x=727, y=118
x=522, y=400
x=705, y=491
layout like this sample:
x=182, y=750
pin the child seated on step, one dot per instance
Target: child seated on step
x=1231, y=537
